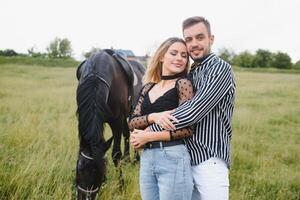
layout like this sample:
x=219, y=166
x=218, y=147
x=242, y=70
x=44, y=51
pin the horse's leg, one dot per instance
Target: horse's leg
x=126, y=139
x=136, y=156
x=126, y=135
x=116, y=127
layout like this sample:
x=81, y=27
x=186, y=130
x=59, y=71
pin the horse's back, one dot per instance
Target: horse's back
x=114, y=77
x=139, y=71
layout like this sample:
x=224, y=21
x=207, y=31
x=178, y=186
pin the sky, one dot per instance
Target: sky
x=141, y=25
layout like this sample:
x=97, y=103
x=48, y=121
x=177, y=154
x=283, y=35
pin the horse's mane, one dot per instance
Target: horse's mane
x=91, y=114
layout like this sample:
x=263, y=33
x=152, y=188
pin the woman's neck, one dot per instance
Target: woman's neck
x=172, y=76
x=166, y=83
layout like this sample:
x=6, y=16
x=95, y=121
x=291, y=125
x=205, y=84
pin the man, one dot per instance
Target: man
x=210, y=111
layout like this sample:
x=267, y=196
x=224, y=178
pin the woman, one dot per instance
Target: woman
x=165, y=171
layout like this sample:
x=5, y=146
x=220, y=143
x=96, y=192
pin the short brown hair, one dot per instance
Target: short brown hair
x=195, y=20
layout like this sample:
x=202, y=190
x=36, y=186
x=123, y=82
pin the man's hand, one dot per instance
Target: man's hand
x=164, y=119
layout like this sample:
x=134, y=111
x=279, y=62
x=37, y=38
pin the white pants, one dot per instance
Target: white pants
x=211, y=181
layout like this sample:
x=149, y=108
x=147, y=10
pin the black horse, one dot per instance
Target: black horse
x=107, y=90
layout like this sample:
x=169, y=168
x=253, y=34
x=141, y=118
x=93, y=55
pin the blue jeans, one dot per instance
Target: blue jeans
x=165, y=174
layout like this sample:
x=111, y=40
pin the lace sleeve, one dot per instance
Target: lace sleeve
x=137, y=121
x=185, y=92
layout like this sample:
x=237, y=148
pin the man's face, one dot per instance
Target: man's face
x=198, y=41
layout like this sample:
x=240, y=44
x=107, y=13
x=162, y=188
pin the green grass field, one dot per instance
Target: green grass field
x=39, y=144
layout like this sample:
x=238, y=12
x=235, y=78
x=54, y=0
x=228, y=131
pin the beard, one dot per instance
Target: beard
x=201, y=57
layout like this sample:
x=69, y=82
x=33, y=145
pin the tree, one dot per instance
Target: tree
x=92, y=51
x=282, y=60
x=65, y=48
x=33, y=52
x=244, y=59
x=53, y=48
x=297, y=65
x=262, y=58
x=8, y=52
x=60, y=48
x=226, y=55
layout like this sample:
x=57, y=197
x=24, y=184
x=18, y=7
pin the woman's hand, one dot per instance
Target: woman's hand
x=138, y=138
x=164, y=119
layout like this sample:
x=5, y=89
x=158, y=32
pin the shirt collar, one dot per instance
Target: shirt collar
x=202, y=61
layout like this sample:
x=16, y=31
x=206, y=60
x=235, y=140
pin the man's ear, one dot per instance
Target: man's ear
x=212, y=39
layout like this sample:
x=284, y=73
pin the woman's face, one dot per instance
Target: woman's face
x=175, y=59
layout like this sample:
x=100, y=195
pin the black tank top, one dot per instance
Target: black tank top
x=168, y=101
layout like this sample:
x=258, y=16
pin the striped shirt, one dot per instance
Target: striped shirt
x=210, y=111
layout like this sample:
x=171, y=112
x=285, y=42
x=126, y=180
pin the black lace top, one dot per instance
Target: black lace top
x=168, y=101
x=171, y=99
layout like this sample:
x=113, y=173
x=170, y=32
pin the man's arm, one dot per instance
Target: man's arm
x=216, y=84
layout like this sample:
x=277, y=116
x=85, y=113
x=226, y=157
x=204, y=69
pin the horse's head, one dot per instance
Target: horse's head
x=90, y=173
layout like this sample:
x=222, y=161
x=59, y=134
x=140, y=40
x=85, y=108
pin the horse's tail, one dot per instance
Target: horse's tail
x=91, y=108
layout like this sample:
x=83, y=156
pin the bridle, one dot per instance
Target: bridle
x=85, y=156
x=88, y=192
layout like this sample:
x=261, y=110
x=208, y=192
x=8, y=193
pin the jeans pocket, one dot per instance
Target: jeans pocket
x=174, y=153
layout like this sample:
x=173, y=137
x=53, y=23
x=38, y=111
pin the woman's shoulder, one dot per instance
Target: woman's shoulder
x=185, y=89
x=184, y=85
x=183, y=81
x=147, y=87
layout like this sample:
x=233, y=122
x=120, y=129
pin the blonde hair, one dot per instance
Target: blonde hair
x=154, y=69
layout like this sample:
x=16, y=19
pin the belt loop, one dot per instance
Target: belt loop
x=161, y=145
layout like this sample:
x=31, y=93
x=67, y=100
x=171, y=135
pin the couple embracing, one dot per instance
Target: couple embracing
x=182, y=120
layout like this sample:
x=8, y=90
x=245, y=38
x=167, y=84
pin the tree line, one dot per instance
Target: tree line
x=262, y=58
x=58, y=48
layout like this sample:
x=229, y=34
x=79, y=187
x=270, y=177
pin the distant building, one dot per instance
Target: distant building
x=142, y=58
x=131, y=56
x=127, y=53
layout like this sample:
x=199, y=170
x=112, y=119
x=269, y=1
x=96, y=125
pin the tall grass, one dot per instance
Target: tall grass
x=266, y=140
x=39, y=61
x=39, y=144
